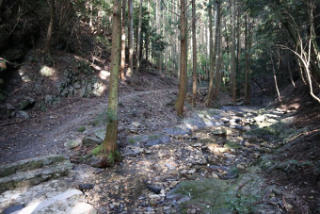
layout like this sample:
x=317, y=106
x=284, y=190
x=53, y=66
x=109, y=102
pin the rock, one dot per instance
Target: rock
x=85, y=187
x=91, y=140
x=13, y=208
x=49, y=99
x=100, y=134
x=153, y=188
x=232, y=173
x=34, y=177
x=133, y=150
x=157, y=140
x=22, y=115
x=71, y=144
x=64, y=92
x=219, y=131
x=26, y=103
x=30, y=164
x=83, y=208
x=177, y=131
x=77, y=85
x=134, y=127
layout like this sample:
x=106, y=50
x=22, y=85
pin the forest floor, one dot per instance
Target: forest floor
x=232, y=159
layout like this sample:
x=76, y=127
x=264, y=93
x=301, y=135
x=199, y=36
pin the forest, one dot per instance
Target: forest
x=160, y=106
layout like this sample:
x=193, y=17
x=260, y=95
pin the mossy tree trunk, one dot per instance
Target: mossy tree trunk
x=110, y=142
x=183, y=59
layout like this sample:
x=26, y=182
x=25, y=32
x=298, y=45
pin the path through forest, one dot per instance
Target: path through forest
x=46, y=133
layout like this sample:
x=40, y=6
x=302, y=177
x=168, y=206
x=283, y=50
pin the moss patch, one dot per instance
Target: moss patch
x=218, y=196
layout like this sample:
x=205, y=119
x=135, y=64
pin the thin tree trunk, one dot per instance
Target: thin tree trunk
x=275, y=79
x=123, y=41
x=109, y=144
x=51, y=4
x=194, y=60
x=290, y=74
x=130, y=38
x=233, y=60
x=139, y=37
x=183, y=59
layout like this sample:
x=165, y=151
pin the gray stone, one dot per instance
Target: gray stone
x=100, y=134
x=83, y=208
x=22, y=115
x=48, y=99
x=26, y=103
x=48, y=205
x=77, y=85
x=91, y=140
x=30, y=164
x=34, y=177
x=71, y=144
x=157, y=140
x=133, y=150
x=177, y=131
x=13, y=208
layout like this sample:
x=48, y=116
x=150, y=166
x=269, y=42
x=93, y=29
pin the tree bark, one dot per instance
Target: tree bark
x=109, y=144
x=194, y=55
x=238, y=38
x=233, y=60
x=130, y=38
x=275, y=79
x=247, y=61
x=139, y=37
x=51, y=4
x=123, y=41
x=183, y=59
x=213, y=50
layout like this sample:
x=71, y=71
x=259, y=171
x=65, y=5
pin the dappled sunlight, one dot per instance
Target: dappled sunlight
x=48, y=72
x=23, y=75
x=104, y=75
x=99, y=89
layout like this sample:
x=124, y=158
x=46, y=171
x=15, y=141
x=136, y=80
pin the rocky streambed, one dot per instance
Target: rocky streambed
x=213, y=161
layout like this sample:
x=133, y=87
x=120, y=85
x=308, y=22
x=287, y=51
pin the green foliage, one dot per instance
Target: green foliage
x=97, y=150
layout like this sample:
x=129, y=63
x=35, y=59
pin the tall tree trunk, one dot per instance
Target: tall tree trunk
x=218, y=60
x=233, y=60
x=183, y=59
x=212, y=54
x=109, y=145
x=123, y=41
x=130, y=38
x=247, y=56
x=139, y=37
x=238, y=38
x=51, y=4
x=194, y=55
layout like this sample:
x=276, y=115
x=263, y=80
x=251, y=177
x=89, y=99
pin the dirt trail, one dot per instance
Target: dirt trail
x=47, y=132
